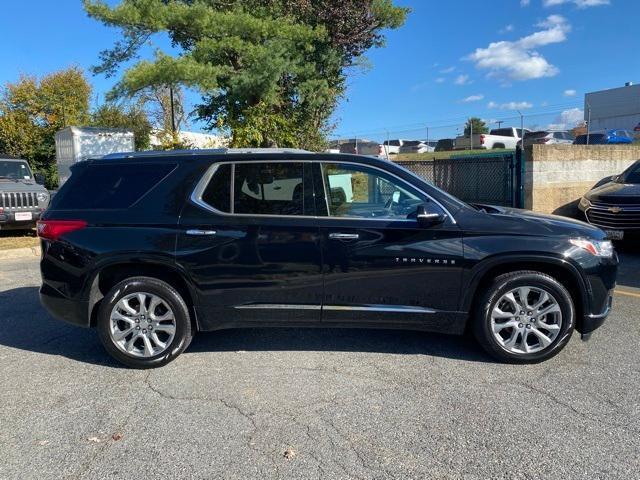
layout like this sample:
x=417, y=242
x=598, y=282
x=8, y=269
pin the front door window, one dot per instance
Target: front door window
x=357, y=191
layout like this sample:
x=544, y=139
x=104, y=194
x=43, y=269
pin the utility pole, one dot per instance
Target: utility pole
x=386, y=147
x=521, y=127
x=427, y=135
x=470, y=135
x=173, y=113
x=588, y=122
x=499, y=123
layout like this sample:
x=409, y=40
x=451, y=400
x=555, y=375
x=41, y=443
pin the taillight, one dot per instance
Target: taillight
x=54, y=229
x=481, y=139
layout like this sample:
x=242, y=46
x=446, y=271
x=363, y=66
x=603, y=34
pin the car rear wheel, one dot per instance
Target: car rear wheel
x=524, y=317
x=143, y=322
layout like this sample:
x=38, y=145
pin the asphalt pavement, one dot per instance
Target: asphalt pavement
x=316, y=403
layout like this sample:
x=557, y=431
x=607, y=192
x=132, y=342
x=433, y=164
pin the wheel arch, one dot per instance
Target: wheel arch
x=562, y=270
x=110, y=274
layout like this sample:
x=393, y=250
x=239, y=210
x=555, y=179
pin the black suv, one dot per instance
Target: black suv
x=150, y=248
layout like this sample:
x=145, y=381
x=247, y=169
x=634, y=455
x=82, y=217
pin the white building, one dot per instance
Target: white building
x=193, y=139
x=616, y=108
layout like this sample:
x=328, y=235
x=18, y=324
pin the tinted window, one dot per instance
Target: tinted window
x=361, y=192
x=218, y=192
x=504, y=132
x=632, y=175
x=269, y=188
x=109, y=186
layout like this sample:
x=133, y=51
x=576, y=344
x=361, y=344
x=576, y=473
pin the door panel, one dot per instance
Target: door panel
x=254, y=268
x=389, y=271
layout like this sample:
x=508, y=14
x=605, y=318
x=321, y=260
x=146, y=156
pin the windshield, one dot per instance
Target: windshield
x=631, y=174
x=15, y=170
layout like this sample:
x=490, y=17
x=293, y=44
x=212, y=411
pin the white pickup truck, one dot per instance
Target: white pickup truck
x=496, y=138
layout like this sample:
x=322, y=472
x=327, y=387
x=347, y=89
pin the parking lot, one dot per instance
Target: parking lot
x=340, y=403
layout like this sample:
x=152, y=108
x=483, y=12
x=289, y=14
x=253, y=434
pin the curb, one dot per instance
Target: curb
x=26, y=252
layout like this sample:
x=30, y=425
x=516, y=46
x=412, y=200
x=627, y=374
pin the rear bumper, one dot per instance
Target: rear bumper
x=60, y=307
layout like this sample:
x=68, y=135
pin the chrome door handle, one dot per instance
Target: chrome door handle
x=344, y=236
x=201, y=232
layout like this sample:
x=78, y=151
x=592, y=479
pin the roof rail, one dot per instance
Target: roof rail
x=198, y=152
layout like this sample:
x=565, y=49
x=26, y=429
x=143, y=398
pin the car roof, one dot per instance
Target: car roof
x=235, y=155
x=10, y=158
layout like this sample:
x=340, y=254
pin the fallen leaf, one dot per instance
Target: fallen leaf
x=94, y=440
x=116, y=436
x=42, y=443
x=289, y=453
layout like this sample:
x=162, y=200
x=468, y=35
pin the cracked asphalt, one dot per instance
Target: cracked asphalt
x=349, y=403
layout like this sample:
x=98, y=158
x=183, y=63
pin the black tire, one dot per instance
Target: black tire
x=183, y=330
x=481, y=325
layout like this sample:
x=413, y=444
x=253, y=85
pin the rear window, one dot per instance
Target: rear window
x=105, y=186
x=503, y=132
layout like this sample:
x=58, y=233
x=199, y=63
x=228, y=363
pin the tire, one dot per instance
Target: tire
x=492, y=315
x=168, y=343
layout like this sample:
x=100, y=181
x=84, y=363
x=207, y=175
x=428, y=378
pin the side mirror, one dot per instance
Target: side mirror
x=427, y=219
x=39, y=178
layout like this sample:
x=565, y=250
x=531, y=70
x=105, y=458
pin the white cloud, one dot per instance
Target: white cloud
x=507, y=29
x=447, y=70
x=568, y=119
x=440, y=80
x=519, y=60
x=577, y=3
x=473, y=98
x=510, y=105
x=525, y=3
x=570, y=93
x=462, y=80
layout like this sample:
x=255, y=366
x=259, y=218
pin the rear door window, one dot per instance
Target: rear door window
x=269, y=188
x=109, y=186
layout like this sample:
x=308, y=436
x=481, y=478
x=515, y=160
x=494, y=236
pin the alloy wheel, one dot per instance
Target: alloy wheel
x=526, y=320
x=142, y=325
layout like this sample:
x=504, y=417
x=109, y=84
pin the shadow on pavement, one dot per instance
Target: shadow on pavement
x=25, y=325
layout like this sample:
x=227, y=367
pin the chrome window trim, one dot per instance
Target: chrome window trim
x=196, y=195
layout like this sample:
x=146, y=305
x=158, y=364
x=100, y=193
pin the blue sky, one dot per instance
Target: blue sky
x=451, y=60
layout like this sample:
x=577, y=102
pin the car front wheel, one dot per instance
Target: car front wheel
x=524, y=317
x=143, y=322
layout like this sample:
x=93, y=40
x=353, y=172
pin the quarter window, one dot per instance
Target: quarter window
x=362, y=192
x=218, y=192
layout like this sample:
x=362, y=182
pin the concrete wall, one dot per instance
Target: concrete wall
x=558, y=175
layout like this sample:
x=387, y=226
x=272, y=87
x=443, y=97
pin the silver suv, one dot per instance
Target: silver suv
x=23, y=197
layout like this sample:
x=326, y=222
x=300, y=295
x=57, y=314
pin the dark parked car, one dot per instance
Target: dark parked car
x=151, y=248
x=610, y=137
x=613, y=204
x=445, y=145
x=23, y=197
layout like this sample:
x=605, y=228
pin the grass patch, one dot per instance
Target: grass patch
x=443, y=155
x=18, y=239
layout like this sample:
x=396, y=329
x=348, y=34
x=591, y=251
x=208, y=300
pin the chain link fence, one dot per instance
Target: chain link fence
x=485, y=178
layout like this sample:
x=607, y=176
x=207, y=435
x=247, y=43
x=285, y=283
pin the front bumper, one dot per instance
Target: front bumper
x=593, y=321
x=8, y=219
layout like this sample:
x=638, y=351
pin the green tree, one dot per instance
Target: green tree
x=270, y=71
x=479, y=126
x=132, y=117
x=32, y=110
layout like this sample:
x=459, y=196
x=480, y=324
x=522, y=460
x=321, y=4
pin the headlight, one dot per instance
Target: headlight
x=598, y=248
x=42, y=197
x=584, y=203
